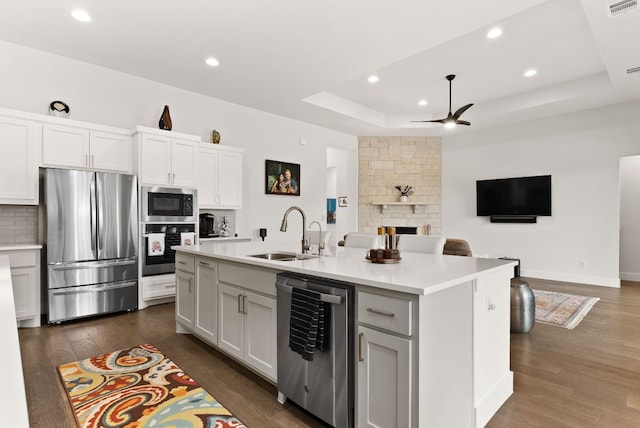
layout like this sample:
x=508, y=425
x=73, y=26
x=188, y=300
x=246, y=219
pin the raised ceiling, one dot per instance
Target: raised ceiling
x=310, y=61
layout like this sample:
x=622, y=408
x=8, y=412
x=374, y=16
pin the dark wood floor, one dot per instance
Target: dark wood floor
x=585, y=377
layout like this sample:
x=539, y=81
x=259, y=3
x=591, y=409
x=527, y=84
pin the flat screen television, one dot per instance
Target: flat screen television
x=522, y=196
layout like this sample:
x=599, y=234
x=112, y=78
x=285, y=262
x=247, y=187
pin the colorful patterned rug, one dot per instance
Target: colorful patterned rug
x=137, y=388
x=560, y=309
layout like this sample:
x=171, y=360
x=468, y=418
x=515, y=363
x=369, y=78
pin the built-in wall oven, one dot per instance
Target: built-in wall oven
x=168, y=205
x=166, y=214
x=159, y=264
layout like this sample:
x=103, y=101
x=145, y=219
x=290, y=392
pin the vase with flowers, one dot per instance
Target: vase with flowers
x=405, y=191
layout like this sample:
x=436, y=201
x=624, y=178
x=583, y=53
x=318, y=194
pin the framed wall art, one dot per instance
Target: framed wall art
x=282, y=178
x=331, y=211
x=342, y=201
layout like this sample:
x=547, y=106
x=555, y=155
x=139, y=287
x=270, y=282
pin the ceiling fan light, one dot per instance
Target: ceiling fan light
x=449, y=124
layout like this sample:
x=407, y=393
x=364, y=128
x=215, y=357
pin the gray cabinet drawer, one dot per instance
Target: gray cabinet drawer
x=385, y=312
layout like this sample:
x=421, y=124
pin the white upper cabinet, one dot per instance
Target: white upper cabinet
x=219, y=176
x=20, y=141
x=83, y=147
x=166, y=158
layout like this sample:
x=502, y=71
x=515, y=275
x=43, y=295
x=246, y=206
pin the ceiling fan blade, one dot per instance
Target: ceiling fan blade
x=424, y=121
x=461, y=110
x=463, y=122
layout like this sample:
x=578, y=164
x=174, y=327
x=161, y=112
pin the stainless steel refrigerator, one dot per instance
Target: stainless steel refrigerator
x=92, y=246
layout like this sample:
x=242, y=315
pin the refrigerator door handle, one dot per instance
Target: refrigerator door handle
x=92, y=265
x=94, y=217
x=92, y=288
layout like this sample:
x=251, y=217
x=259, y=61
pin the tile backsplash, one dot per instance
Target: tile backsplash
x=18, y=224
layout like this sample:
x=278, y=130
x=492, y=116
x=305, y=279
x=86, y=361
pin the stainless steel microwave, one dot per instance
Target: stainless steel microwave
x=168, y=204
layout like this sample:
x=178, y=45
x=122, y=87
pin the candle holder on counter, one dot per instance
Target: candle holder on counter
x=388, y=251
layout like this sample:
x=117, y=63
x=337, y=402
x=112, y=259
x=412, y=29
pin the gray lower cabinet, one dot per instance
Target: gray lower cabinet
x=206, y=300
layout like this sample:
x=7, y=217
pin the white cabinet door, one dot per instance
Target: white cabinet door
x=65, y=146
x=110, y=151
x=384, y=380
x=183, y=156
x=207, y=176
x=19, y=161
x=155, y=165
x=206, y=297
x=184, y=297
x=230, y=320
x=230, y=179
x=25, y=285
x=260, y=333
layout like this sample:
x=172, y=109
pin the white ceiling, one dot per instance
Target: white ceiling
x=310, y=61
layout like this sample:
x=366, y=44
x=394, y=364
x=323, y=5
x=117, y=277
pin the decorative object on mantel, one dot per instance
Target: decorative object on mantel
x=165, y=120
x=215, y=137
x=405, y=191
x=59, y=109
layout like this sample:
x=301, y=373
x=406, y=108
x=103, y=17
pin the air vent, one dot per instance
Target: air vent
x=621, y=7
x=633, y=70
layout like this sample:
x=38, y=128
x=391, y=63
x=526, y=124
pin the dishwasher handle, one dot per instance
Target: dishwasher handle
x=329, y=298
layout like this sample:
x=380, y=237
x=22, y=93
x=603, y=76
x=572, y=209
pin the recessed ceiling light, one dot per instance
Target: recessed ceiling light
x=494, y=32
x=212, y=62
x=373, y=78
x=530, y=72
x=80, y=15
x=422, y=102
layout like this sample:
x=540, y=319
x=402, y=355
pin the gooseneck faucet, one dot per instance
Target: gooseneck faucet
x=320, y=243
x=283, y=227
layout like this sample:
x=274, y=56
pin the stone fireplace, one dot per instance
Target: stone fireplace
x=383, y=163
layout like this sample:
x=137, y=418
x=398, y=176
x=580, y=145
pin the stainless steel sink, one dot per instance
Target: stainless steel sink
x=283, y=256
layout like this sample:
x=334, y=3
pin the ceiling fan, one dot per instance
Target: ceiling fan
x=452, y=119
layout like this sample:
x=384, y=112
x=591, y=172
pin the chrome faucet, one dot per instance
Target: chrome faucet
x=320, y=243
x=283, y=227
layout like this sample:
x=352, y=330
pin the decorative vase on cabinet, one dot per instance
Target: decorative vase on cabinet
x=404, y=198
x=165, y=119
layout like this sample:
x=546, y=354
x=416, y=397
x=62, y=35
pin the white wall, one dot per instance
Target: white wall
x=630, y=218
x=345, y=183
x=31, y=79
x=582, y=153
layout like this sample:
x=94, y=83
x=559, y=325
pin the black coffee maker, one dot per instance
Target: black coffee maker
x=207, y=223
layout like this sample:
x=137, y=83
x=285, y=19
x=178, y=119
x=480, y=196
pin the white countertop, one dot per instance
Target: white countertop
x=416, y=273
x=19, y=247
x=14, y=402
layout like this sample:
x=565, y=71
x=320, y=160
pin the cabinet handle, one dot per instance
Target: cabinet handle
x=182, y=262
x=244, y=304
x=240, y=303
x=203, y=263
x=93, y=163
x=86, y=160
x=174, y=178
x=169, y=177
x=379, y=312
x=189, y=285
x=360, y=347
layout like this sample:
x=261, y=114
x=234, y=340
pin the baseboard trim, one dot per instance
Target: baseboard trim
x=490, y=403
x=567, y=277
x=630, y=276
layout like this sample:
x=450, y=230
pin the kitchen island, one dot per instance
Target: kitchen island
x=432, y=331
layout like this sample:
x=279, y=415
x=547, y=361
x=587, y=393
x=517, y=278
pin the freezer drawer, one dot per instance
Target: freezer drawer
x=75, y=302
x=63, y=275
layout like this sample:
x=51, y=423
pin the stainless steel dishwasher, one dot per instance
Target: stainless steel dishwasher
x=324, y=386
